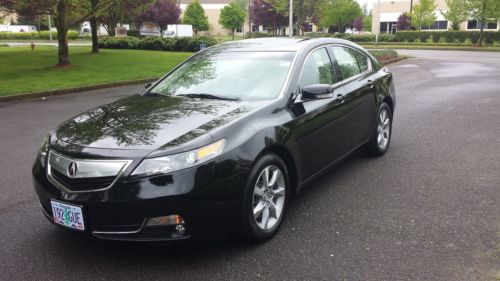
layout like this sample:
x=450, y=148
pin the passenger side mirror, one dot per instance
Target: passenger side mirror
x=147, y=85
x=316, y=92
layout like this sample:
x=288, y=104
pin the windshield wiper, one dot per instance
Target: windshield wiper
x=208, y=96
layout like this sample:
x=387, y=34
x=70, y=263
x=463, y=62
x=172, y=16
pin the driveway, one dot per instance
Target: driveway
x=428, y=210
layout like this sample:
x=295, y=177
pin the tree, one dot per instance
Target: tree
x=162, y=13
x=243, y=4
x=367, y=23
x=423, y=14
x=456, y=13
x=232, y=17
x=263, y=13
x=484, y=11
x=358, y=24
x=66, y=13
x=123, y=11
x=304, y=10
x=340, y=13
x=403, y=22
x=195, y=16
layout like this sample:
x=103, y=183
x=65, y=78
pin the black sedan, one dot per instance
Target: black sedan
x=219, y=144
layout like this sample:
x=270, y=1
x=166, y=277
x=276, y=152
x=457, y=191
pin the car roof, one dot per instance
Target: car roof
x=284, y=44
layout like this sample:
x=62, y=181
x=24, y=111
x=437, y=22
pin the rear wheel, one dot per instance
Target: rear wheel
x=379, y=144
x=265, y=199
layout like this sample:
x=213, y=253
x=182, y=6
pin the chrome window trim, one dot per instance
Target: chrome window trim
x=67, y=189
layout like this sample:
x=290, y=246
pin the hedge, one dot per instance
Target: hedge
x=182, y=44
x=45, y=35
x=447, y=36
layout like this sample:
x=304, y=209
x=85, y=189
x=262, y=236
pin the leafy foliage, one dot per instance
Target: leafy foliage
x=358, y=24
x=264, y=14
x=484, y=11
x=403, y=22
x=186, y=44
x=423, y=14
x=195, y=16
x=456, y=13
x=162, y=13
x=340, y=13
x=232, y=17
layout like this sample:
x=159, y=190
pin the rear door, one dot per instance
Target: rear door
x=355, y=71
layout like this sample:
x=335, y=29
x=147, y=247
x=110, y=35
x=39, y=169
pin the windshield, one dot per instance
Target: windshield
x=231, y=75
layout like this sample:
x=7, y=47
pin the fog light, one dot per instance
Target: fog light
x=180, y=229
x=166, y=220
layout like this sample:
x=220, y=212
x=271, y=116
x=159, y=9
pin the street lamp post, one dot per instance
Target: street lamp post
x=291, y=19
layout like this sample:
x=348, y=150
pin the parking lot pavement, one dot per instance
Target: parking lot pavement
x=428, y=210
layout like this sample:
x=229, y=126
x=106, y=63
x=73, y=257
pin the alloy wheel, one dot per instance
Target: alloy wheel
x=269, y=197
x=383, y=129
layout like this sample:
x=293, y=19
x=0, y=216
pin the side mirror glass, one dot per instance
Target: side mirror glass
x=316, y=92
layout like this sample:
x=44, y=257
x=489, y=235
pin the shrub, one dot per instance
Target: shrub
x=119, y=43
x=185, y=44
x=446, y=36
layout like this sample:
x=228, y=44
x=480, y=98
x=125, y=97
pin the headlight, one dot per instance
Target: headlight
x=44, y=149
x=167, y=164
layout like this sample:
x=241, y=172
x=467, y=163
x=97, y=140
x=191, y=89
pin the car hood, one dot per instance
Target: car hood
x=149, y=123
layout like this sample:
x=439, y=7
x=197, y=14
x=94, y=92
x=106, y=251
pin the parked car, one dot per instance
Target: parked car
x=219, y=144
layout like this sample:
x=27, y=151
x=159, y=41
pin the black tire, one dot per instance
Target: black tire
x=373, y=148
x=250, y=229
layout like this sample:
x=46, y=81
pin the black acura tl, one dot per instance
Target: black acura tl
x=219, y=144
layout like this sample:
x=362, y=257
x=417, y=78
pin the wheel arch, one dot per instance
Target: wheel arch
x=287, y=157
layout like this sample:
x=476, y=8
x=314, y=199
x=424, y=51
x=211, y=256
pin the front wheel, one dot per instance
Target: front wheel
x=379, y=144
x=265, y=199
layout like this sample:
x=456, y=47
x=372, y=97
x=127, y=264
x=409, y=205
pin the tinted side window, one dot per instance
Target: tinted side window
x=362, y=61
x=318, y=69
x=348, y=65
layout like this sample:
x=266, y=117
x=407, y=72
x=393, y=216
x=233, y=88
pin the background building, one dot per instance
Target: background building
x=391, y=9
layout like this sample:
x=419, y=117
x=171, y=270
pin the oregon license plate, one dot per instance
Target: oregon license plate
x=68, y=215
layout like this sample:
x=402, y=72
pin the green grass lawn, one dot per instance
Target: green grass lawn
x=25, y=71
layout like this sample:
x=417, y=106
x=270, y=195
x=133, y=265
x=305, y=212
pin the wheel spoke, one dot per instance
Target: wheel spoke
x=265, y=217
x=259, y=192
x=280, y=191
x=265, y=177
x=274, y=177
x=258, y=209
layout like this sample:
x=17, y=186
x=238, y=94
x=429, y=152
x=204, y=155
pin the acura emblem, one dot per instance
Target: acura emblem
x=73, y=169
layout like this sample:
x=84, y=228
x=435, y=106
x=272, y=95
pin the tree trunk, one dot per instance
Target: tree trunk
x=250, y=19
x=93, y=28
x=233, y=34
x=483, y=19
x=62, y=32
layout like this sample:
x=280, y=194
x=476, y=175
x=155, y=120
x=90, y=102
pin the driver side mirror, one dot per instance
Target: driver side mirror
x=148, y=85
x=316, y=92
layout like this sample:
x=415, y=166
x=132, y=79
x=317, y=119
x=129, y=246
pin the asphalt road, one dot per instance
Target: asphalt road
x=428, y=210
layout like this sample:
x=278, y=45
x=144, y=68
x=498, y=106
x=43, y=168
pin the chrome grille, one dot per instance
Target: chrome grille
x=79, y=175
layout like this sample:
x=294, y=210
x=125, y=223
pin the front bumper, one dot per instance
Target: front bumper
x=210, y=205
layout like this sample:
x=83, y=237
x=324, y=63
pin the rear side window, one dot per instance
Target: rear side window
x=348, y=64
x=318, y=69
x=362, y=61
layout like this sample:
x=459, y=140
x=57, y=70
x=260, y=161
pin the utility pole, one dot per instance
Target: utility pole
x=291, y=18
x=50, y=28
x=378, y=24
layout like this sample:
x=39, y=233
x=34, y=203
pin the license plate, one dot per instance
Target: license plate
x=68, y=215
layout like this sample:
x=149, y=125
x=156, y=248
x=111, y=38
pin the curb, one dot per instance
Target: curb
x=74, y=90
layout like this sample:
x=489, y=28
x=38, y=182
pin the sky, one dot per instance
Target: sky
x=369, y=2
